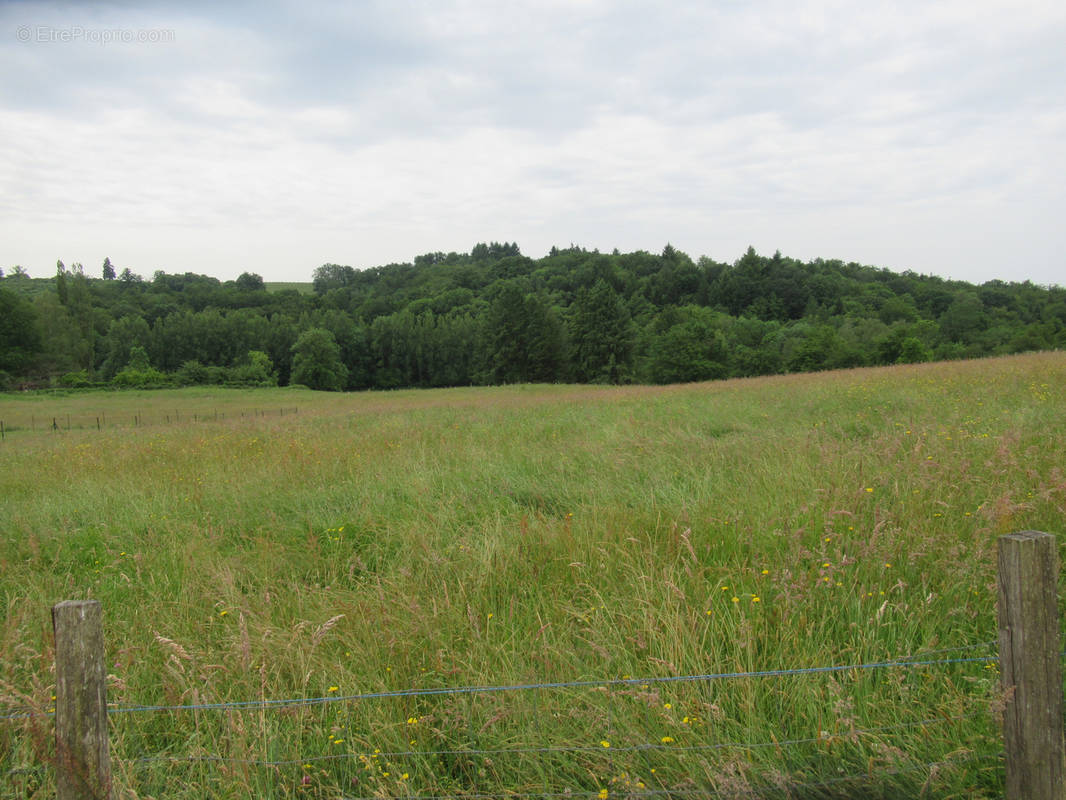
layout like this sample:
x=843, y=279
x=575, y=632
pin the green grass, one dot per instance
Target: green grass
x=303, y=287
x=469, y=537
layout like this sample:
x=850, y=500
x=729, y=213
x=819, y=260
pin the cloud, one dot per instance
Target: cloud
x=367, y=133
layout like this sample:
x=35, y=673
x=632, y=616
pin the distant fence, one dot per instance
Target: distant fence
x=1029, y=658
x=57, y=423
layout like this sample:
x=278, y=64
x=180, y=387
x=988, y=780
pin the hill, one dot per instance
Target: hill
x=494, y=316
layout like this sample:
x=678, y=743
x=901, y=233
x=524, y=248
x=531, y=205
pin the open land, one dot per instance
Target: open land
x=276, y=544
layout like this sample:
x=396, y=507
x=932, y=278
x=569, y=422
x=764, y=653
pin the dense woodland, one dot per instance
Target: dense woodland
x=496, y=316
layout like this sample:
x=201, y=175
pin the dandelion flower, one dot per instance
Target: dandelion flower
x=333, y=689
x=604, y=743
x=603, y=794
x=667, y=739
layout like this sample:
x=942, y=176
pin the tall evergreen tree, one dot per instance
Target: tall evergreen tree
x=601, y=336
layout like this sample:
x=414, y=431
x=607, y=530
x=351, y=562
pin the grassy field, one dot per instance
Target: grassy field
x=303, y=287
x=275, y=544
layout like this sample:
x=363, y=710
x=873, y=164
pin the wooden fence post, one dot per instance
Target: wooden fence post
x=1031, y=666
x=83, y=763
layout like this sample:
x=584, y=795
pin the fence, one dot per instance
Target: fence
x=48, y=423
x=1029, y=659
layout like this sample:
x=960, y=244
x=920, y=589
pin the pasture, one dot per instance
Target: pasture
x=374, y=543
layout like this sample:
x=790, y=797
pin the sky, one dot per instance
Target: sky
x=273, y=137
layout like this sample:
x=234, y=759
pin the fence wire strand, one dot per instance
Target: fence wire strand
x=907, y=661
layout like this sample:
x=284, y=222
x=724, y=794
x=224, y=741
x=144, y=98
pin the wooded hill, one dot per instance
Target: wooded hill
x=496, y=316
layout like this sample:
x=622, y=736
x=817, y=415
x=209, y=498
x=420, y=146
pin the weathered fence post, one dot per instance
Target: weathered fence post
x=1030, y=666
x=83, y=764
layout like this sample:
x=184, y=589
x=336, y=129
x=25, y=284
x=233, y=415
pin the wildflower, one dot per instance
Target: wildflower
x=405, y=776
x=825, y=564
x=222, y=613
x=869, y=488
x=767, y=572
x=604, y=743
x=888, y=564
x=412, y=721
x=603, y=794
x=755, y=599
x=668, y=706
x=338, y=741
x=333, y=689
x=735, y=599
x=725, y=588
x=667, y=739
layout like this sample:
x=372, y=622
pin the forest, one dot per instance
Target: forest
x=495, y=316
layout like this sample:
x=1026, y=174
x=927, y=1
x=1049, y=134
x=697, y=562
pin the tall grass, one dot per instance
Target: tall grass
x=530, y=534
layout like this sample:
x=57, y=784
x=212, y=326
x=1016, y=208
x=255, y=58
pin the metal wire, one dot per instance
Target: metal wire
x=307, y=701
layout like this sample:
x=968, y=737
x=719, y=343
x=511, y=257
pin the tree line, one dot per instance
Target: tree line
x=495, y=316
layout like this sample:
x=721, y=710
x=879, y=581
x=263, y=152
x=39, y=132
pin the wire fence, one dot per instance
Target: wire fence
x=906, y=661
x=55, y=423
x=441, y=742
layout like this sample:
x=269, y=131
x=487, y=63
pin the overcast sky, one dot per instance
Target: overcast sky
x=273, y=137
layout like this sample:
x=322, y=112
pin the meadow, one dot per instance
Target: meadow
x=275, y=544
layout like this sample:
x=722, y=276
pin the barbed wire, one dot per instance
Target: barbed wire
x=906, y=661
x=771, y=673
